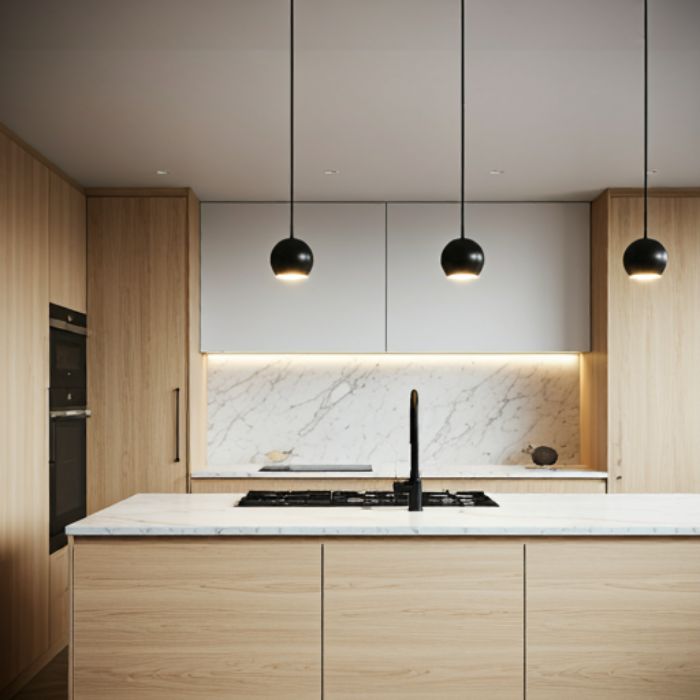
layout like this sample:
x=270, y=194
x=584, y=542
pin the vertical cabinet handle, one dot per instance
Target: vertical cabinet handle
x=177, y=424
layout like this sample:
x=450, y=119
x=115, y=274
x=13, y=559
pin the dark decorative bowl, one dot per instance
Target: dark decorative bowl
x=544, y=456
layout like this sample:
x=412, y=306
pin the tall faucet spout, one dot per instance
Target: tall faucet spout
x=415, y=492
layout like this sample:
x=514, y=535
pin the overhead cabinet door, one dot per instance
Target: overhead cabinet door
x=533, y=293
x=339, y=308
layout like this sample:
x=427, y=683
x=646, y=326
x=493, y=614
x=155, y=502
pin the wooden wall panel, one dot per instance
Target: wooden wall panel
x=164, y=618
x=197, y=404
x=613, y=620
x=654, y=351
x=24, y=320
x=137, y=350
x=67, y=245
x=423, y=619
x=594, y=364
x=58, y=598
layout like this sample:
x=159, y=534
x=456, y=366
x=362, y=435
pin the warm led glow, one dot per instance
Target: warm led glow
x=463, y=276
x=291, y=276
x=645, y=276
x=393, y=359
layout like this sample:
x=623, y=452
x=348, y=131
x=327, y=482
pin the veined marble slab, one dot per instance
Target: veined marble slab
x=522, y=515
x=489, y=471
x=353, y=409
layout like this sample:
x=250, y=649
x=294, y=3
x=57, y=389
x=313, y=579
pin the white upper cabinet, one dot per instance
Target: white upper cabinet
x=339, y=308
x=532, y=295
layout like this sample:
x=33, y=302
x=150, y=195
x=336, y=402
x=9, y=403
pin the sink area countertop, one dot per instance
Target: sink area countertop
x=493, y=471
x=522, y=515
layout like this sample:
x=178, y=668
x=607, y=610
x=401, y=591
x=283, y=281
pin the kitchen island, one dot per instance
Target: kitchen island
x=547, y=596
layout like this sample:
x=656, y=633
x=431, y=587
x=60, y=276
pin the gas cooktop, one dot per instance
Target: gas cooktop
x=362, y=499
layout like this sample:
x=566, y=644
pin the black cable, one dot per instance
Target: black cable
x=291, y=118
x=461, y=163
x=646, y=116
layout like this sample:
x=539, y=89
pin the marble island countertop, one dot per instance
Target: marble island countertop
x=522, y=515
x=489, y=471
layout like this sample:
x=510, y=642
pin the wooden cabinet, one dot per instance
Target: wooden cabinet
x=377, y=284
x=58, y=598
x=534, y=485
x=643, y=376
x=67, y=245
x=141, y=250
x=613, y=620
x=24, y=353
x=339, y=308
x=166, y=618
x=420, y=618
x=532, y=296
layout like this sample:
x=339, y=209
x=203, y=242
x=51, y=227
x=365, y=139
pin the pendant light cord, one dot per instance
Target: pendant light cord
x=291, y=118
x=646, y=116
x=462, y=146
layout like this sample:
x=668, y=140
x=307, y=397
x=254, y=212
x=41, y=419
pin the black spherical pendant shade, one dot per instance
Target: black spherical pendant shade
x=462, y=259
x=645, y=259
x=291, y=259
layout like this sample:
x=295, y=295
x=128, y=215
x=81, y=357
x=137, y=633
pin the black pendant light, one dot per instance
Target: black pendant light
x=291, y=259
x=462, y=258
x=645, y=258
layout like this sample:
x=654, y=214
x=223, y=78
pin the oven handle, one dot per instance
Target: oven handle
x=71, y=413
x=177, y=424
x=65, y=326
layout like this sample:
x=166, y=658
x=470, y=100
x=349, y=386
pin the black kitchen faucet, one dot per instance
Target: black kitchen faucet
x=413, y=486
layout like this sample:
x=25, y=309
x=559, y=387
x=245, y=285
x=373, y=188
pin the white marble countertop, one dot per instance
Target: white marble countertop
x=524, y=515
x=492, y=471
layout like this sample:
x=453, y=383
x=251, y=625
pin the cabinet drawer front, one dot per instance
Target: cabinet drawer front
x=159, y=619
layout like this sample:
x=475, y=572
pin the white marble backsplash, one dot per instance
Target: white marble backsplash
x=341, y=409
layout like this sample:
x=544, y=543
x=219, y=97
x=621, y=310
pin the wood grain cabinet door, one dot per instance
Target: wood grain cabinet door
x=613, y=620
x=137, y=348
x=186, y=618
x=418, y=618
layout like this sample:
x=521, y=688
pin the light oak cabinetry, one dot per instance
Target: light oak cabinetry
x=165, y=618
x=386, y=617
x=140, y=252
x=613, y=620
x=422, y=619
x=59, y=598
x=67, y=245
x=24, y=352
x=643, y=376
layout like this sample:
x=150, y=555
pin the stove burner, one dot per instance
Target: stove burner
x=362, y=499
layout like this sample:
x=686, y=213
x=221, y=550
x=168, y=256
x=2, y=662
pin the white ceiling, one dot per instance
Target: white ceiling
x=111, y=91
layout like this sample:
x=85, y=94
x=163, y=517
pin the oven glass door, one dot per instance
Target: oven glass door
x=67, y=476
x=68, y=369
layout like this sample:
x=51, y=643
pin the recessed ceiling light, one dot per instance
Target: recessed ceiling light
x=652, y=171
x=497, y=172
x=330, y=171
x=161, y=172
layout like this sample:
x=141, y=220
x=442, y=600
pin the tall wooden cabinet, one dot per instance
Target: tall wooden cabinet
x=641, y=383
x=24, y=320
x=67, y=245
x=140, y=253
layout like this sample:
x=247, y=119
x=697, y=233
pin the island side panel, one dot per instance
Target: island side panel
x=613, y=619
x=410, y=619
x=166, y=618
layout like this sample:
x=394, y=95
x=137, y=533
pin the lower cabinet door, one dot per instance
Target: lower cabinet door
x=181, y=618
x=613, y=620
x=423, y=618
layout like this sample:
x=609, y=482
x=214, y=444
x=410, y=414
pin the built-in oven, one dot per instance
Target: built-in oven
x=68, y=413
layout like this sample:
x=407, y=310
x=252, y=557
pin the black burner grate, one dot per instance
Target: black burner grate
x=362, y=499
